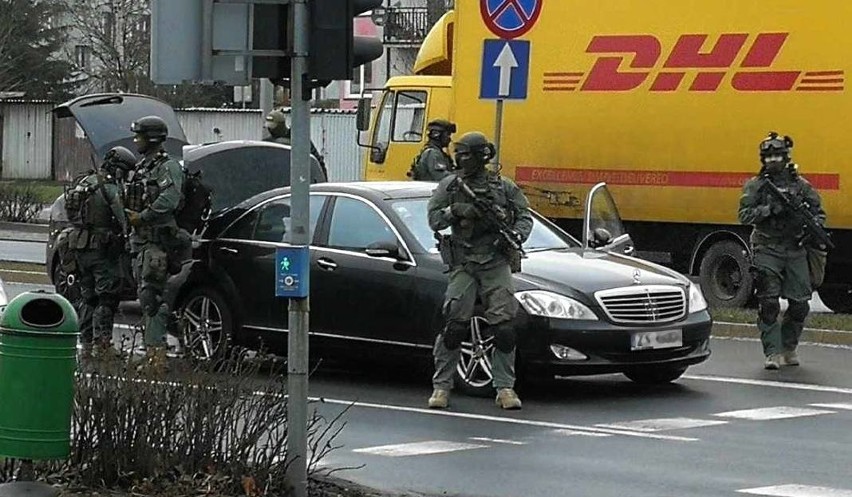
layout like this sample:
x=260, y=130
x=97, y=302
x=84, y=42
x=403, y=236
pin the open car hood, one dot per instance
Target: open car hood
x=106, y=119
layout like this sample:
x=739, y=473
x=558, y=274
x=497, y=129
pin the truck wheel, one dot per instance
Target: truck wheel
x=838, y=298
x=724, y=275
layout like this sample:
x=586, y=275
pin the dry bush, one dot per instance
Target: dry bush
x=20, y=204
x=201, y=429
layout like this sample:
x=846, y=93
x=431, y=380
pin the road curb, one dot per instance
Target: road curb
x=814, y=335
x=29, y=227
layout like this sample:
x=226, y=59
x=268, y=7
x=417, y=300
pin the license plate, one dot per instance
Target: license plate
x=646, y=340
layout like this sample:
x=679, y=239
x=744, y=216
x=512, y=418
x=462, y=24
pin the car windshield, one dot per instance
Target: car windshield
x=413, y=214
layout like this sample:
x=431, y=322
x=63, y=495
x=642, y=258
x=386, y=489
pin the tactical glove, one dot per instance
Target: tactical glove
x=133, y=217
x=464, y=210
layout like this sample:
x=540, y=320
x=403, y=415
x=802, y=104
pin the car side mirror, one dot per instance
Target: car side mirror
x=384, y=249
x=362, y=118
x=379, y=153
x=600, y=238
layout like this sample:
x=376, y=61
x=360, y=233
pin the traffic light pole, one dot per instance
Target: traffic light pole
x=300, y=174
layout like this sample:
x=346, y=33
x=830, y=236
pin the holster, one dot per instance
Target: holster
x=514, y=260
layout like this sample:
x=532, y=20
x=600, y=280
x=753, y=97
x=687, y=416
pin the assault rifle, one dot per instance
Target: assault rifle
x=801, y=210
x=495, y=216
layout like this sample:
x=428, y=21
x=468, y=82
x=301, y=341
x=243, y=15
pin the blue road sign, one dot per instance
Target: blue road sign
x=291, y=272
x=505, y=69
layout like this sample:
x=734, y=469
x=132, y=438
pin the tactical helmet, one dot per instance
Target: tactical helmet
x=120, y=158
x=476, y=144
x=276, y=123
x=440, y=128
x=776, y=145
x=152, y=128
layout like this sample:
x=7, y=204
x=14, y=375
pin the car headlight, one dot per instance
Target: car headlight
x=697, y=302
x=552, y=305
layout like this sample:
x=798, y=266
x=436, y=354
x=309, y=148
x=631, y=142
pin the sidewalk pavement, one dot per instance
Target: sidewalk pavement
x=25, y=232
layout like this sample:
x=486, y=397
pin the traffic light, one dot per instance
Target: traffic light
x=271, y=32
x=334, y=49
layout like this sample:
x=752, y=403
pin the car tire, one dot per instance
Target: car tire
x=474, y=375
x=655, y=375
x=70, y=291
x=205, y=324
x=724, y=275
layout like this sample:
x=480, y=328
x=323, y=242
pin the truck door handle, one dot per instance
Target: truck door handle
x=327, y=264
x=628, y=250
x=229, y=250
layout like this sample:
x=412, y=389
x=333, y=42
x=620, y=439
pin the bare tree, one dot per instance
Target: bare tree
x=111, y=43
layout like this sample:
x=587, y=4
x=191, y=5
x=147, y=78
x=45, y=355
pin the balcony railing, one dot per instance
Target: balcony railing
x=406, y=25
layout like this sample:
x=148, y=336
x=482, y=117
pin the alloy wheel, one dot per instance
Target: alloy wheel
x=201, y=321
x=475, y=362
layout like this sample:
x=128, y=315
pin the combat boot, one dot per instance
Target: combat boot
x=440, y=399
x=155, y=361
x=791, y=358
x=773, y=361
x=507, y=399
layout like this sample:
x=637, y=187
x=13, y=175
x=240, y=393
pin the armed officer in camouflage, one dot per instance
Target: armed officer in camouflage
x=478, y=257
x=152, y=197
x=778, y=241
x=95, y=210
x=433, y=163
x=279, y=132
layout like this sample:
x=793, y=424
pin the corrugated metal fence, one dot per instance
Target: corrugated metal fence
x=36, y=146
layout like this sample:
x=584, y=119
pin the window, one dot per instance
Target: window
x=362, y=79
x=83, y=56
x=410, y=113
x=271, y=223
x=355, y=225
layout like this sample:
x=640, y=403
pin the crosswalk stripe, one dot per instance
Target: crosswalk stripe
x=419, y=448
x=497, y=441
x=797, y=491
x=842, y=407
x=663, y=424
x=771, y=413
x=572, y=433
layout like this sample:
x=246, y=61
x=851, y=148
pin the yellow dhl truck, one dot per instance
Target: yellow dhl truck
x=664, y=101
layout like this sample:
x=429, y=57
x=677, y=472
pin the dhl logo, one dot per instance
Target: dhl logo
x=626, y=62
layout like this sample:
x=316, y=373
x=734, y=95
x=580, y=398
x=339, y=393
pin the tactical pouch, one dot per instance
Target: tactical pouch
x=514, y=260
x=134, y=196
x=816, y=265
x=67, y=258
x=178, y=245
x=445, y=248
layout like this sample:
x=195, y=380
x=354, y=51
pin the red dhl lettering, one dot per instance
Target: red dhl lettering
x=626, y=62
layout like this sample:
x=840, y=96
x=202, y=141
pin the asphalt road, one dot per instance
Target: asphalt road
x=22, y=251
x=727, y=428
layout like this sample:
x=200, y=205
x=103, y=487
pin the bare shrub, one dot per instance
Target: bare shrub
x=206, y=428
x=20, y=204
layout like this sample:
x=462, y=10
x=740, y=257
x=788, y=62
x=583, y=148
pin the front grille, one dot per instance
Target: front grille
x=643, y=304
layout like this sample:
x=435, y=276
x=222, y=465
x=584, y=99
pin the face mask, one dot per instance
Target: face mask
x=445, y=139
x=468, y=163
x=141, y=143
x=774, y=163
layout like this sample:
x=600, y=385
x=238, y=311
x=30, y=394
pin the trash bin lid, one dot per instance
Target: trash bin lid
x=39, y=312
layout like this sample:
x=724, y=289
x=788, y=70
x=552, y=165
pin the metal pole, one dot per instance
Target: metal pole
x=498, y=131
x=267, y=91
x=297, y=351
x=207, y=40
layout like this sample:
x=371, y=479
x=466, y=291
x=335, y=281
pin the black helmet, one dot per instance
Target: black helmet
x=477, y=144
x=152, y=128
x=776, y=145
x=441, y=125
x=120, y=158
x=276, y=123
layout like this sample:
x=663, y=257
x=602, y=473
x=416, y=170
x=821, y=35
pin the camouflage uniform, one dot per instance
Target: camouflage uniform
x=161, y=180
x=479, y=266
x=433, y=164
x=779, y=263
x=97, y=241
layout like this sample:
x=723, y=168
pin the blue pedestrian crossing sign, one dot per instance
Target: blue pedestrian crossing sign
x=291, y=271
x=505, y=70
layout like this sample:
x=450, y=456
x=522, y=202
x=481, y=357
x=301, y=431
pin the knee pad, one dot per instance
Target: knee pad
x=150, y=301
x=504, y=337
x=768, y=310
x=798, y=310
x=455, y=333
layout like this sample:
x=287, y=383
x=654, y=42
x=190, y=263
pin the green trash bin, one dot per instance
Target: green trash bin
x=38, y=358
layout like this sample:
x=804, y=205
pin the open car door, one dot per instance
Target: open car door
x=602, y=226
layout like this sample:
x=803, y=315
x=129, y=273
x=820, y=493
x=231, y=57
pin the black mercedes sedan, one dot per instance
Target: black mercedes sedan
x=377, y=284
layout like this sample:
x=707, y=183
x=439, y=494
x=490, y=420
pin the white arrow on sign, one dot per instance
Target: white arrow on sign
x=506, y=61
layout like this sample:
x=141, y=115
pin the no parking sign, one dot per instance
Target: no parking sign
x=510, y=19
